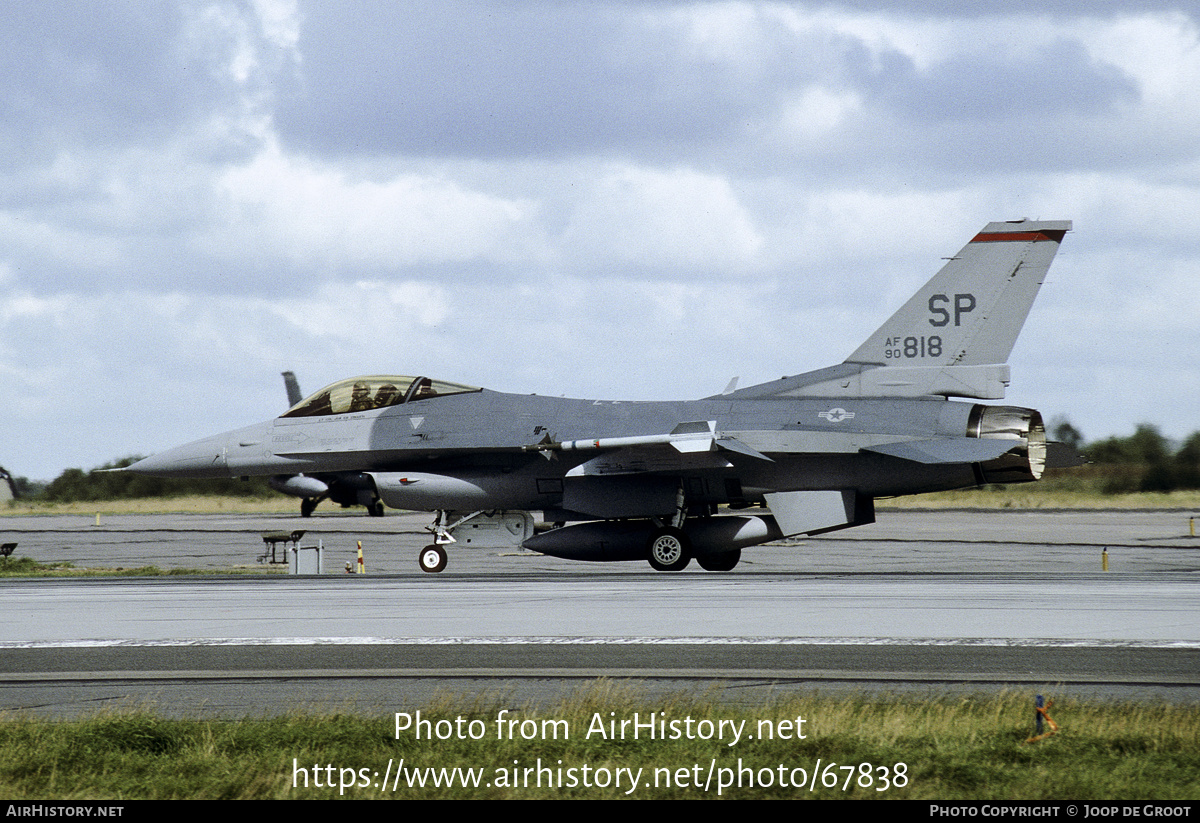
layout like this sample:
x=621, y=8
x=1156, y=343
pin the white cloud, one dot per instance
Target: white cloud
x=647, y=218
x=1161, y=50
x=815, y=114
x=288, y=207
x=281, y=21
x=364, y=310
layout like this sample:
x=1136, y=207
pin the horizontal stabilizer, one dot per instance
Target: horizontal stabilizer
x=946, y=450
x=1062, y=456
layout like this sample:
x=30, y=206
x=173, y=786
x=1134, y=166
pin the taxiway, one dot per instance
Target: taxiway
x=927, y=600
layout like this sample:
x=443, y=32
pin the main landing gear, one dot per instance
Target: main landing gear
x=669, y=550
x=309, y=504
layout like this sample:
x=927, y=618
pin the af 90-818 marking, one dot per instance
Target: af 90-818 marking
x=913, y=347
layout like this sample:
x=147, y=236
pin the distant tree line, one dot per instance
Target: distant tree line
x=1143, y=462
x=77, y=485
x=1146, y=461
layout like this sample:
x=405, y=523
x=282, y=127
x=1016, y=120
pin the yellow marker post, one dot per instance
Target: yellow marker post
x=97, y=518
x=1104, y=560
x=1039, y=712
x=361, y=569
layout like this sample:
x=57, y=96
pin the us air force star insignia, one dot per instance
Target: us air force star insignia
x=836, y=415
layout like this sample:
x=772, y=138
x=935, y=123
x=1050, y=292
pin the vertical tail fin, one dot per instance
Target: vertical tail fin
x=972, y=310
x=953, y=337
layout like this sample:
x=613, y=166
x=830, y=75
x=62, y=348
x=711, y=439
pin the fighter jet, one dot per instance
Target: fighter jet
x=668, y=482
x=344, y=488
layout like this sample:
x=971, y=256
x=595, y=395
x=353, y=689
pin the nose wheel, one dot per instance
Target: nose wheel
x=432, y=559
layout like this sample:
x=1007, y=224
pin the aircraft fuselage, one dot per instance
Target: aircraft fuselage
x=484, y=444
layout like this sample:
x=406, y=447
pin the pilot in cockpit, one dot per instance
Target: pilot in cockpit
x=360, y=397
x=386, y=395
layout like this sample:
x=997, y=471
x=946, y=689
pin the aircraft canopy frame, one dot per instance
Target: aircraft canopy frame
x=365, y=393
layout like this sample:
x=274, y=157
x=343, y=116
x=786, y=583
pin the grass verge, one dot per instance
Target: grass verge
x=28, y=567
x=192, y=504
x=854, y=748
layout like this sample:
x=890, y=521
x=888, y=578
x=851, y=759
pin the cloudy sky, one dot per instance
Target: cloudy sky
x=627, y=200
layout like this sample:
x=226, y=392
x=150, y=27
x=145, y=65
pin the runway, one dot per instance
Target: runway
x=921, y=600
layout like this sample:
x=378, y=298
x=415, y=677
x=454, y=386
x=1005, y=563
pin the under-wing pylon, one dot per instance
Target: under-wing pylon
x=669, y=482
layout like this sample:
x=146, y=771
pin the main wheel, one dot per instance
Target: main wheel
x=669, y=550
x=375, y=508
x=723, y=562
x=307, y=506
x=432, y=559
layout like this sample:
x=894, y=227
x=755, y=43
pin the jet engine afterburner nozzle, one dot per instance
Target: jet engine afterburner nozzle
x=1027, y=459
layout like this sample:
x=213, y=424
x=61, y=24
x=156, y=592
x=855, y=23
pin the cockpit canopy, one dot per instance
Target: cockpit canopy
x=365, y=393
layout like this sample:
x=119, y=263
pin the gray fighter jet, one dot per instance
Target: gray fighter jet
x=666, y=482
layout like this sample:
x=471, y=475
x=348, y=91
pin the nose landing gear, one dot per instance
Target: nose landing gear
x=432, y=559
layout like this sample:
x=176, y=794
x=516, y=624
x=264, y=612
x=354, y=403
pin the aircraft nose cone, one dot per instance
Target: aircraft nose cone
x=202, y=458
